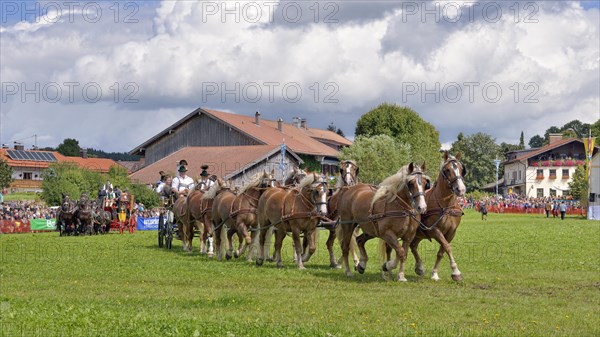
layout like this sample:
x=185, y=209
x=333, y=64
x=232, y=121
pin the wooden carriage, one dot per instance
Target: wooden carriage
x=122, y=211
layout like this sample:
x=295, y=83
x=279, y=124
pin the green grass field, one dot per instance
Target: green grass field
x=523, y=276
x=24, y=196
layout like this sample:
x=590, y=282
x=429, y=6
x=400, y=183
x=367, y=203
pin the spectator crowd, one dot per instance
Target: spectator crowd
x=26, y=210
x=522, y=203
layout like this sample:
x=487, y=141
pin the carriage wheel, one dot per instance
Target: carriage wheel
x=161, y=234
x=169, y=239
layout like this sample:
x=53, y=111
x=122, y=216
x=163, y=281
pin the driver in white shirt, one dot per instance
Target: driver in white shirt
x=182, y=184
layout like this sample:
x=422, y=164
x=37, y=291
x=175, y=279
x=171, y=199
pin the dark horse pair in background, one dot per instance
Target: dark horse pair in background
x=75, y=218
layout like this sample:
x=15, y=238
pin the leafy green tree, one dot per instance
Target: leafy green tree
x=377, y=157
x=536, y=141
x=406, y=126
x=311, y=164
x=522, y=142
x=144, y=195
x=478, y=153
x=69, y=147
x=118, y=176
x=5, y=174
x=578, y=187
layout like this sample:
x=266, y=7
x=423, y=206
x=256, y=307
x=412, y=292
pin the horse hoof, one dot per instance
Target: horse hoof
x=228, y=257
x=420, y=272
x=259, y=262
x=360, y=269
x=402, y=279
x=334, y=266
x=210, y=255
x=236, y=255
x=457, y=277
x=270, y=260
x=384, y=267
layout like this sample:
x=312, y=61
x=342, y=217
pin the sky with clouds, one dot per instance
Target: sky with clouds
x=114, y=74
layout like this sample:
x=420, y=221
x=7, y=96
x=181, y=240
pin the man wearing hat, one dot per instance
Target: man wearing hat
x=205, y=182
x=182, y=184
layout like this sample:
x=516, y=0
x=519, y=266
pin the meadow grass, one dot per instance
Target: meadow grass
x=523, y=276
x=22, y=196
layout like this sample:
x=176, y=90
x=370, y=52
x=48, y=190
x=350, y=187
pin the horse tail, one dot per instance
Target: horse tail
x=224, y=242
x=353, y=245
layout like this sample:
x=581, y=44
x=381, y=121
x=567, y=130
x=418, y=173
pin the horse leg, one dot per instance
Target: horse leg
x=329, y=244
x=404, y=252
x=444, y=247
x=279, y=236
x=354, y=246
x=298, y=246
x=245, y=239
x=230, y=233
x=311, y=245
x=260, y=254
x=343, y=234
x=208, y=229
x=360, y=241
x=419, y=267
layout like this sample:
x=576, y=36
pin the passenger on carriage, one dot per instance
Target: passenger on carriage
x=182, y=184
x=205, y=183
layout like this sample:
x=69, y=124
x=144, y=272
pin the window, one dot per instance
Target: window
x=552, y=192
x=540, y=174
x=565, y=173
x=540, y=192
x=26, y=175
x=552, y=173
x=519, y=175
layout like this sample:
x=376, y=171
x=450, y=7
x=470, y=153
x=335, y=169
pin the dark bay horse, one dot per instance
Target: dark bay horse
x=222, y=198
x=243, y=212
x=391, y=212
x=66, y=217
x=84, y=216
x=296, y=210
x=443, y=215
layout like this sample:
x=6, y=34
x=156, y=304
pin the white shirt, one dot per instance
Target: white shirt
x=206, y=185
x=180, y=184
x=160, y=188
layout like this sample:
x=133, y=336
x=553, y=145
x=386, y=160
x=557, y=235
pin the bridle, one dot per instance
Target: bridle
x=452, y=182
x=414, y=196
x=314, y=193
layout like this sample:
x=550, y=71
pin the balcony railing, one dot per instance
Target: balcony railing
x=556, y=163
x=539, y=177
x=552, y=176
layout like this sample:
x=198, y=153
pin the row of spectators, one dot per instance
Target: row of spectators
x=521, y=202
x=26, y=210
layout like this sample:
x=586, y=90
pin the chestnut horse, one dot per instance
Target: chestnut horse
x=222, y=198
x=243, y=212
x=348, y=177
x=387, y=213
x=443, y=215
x=296, y=210
x=200, y=217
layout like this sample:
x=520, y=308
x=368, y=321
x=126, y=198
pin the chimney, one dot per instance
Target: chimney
x=296, y=121
x=5, y=146
x=303, y=123
x=19, y=146
x=554, y=137
x=83, y=153
x=280, y=125
x=257, y=118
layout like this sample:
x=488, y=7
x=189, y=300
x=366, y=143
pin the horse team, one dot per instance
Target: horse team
x=405, y=206
x=87, y=217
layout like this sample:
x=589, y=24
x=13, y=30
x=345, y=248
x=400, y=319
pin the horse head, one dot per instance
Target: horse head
x=453, y=171
x=349, y=172
x=268, y=179
x=318, y=190
x=416, y=184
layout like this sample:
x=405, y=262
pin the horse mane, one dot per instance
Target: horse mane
x=391, y=185
x=306, y=181
x=255, y=181
x=212, y=191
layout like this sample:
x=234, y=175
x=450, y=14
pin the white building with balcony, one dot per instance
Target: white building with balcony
x=544, y=171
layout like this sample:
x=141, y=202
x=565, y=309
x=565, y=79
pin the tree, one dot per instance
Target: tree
x=69, y=147
x=595, y=129
x=335, y=129
x=552, y=129
x=145, y=195
x=478, y=153
x=406, y=126
x=536, y=141
x=522, y=142
x=377, y=157
x=5, y=174
x=578, y=187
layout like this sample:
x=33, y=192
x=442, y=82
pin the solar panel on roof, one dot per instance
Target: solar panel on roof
x=31, y=155
x=37, y=156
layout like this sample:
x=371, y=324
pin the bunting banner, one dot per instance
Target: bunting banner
x=588, y=143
